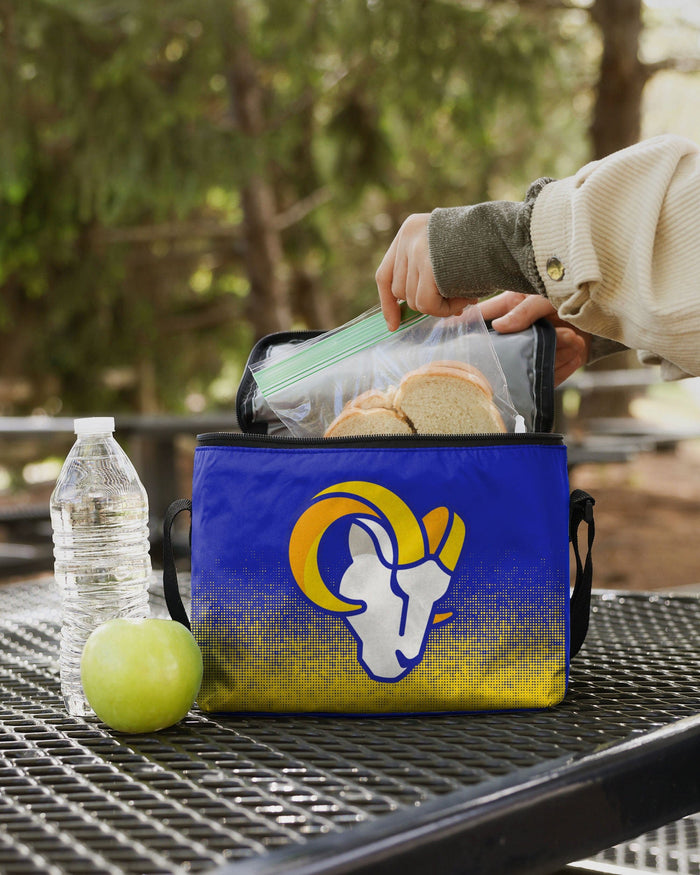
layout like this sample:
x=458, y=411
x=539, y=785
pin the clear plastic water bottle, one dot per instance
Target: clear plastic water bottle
x=99, y=515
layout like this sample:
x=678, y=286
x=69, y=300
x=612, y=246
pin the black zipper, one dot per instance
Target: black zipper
x=234, y=439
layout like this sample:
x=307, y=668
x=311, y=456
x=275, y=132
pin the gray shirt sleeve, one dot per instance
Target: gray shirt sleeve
x=602, y=347
x=481, y=249
x=486, y=248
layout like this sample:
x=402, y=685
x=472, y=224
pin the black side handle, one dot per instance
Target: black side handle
x=173, y=600
x=580, y=511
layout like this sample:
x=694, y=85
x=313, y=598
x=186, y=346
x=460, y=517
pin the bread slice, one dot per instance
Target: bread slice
x=447, y=401
x=361, y=421
x=441, y=397
x=461, y=369
x=374, y=398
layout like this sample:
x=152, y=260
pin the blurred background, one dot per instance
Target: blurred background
x=179, y=178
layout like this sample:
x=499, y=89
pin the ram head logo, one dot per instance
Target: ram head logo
x=400, y=568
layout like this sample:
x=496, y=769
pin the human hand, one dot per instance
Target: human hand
x=406, y=274
x=513, y=311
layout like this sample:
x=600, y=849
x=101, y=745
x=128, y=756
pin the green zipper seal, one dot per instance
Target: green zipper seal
x=318, y=354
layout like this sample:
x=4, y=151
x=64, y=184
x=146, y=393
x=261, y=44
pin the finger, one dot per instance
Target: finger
x=399, y=279
x=571, y=354
x=570, y=340
x=391, y=309
x=454, y=306
x=385, y=271
x=500, y=304
x=384, y=277
x=564, y=369
x=522, y=315
x=564, y=366
x=411, y=287
x=428, y=298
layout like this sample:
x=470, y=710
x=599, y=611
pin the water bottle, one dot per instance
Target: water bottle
x=99, y=515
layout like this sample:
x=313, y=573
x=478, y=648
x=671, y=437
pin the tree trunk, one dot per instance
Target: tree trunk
x=616, y=123
x=617, y=113
x=311, y=306
x=269, y=308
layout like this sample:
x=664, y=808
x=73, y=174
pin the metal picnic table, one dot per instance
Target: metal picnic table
x=518, y=792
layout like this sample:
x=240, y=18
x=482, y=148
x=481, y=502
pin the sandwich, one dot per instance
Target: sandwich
x=443, y=397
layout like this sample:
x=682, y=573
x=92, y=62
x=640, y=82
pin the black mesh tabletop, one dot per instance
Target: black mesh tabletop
x=500, y=792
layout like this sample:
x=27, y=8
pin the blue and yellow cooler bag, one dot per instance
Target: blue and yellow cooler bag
x=383, y=574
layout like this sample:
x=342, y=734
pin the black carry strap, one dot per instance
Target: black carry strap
x=580, y=511
x=173, y=600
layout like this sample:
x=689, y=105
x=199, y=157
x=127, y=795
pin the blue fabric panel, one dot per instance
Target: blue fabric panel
x=372, y=579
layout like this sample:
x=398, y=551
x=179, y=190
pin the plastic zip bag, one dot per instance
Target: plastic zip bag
x=309, y=386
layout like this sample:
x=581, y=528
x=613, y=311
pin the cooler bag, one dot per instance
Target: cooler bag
x=383, y=575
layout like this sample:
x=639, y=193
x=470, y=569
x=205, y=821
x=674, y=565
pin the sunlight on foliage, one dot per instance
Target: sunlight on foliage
x=178, y=178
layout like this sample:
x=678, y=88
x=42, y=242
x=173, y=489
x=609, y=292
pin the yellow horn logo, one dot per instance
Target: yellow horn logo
x=440, y=534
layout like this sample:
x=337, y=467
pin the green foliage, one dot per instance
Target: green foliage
x=122, y=156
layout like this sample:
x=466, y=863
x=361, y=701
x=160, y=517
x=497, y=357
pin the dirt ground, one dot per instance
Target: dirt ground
x=647, y=517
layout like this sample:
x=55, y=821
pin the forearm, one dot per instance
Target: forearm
x=615, y=248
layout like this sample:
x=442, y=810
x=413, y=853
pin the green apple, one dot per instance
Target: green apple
x=141, y=675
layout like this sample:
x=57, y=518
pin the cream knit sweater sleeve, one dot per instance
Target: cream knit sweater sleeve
x=618, y=248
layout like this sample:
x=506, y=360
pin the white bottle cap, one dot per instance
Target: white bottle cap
x=94, y=425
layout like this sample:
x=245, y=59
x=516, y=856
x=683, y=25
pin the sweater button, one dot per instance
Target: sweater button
x=555, y=268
